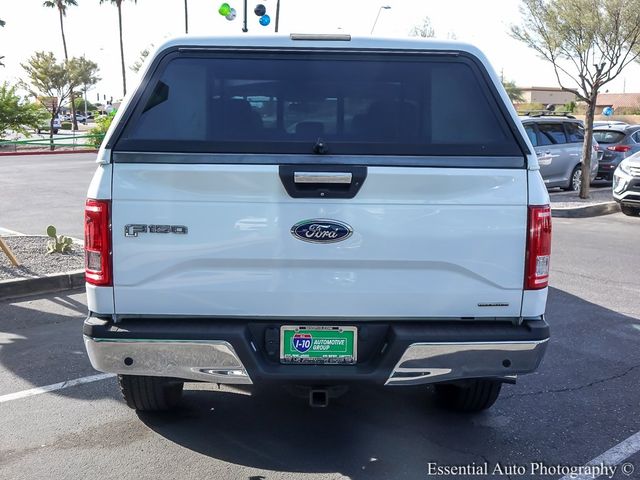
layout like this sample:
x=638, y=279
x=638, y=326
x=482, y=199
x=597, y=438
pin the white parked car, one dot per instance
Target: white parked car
x=307, y=211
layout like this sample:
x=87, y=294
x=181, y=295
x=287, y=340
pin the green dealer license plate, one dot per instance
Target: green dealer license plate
x=318, y=345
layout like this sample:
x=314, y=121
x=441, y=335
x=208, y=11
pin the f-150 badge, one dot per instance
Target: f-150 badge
x=132, y=230
x=320, y=230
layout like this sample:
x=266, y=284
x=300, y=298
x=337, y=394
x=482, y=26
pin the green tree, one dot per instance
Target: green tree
x=51, y=82
x=86, y=71
x=589, y=43
x=118, y=4
x=424, y=30
x=17, y=115
x=62, y=6
x=514, y=93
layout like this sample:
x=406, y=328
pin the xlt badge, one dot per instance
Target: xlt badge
x=320, y=230
x=133, y=229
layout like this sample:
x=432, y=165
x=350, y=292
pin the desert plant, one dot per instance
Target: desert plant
x=58, y=243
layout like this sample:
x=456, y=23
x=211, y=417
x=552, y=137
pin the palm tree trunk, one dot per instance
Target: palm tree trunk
x=124, y=73
x=64, y=39
x=66, y=57
x=186, y=17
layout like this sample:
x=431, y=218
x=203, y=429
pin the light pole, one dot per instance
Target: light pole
x=186, y=17
x=385, y=7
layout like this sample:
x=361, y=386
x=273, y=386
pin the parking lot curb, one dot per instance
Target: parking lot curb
x=595, y=210
x=57, y=282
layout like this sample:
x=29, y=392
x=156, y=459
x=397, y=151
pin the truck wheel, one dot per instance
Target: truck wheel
x=150, y=394
x=630, y=211
x=471, y=396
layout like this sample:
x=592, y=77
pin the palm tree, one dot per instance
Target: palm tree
x=118, y=4
x=186, y=17
x=2, y=24
x=513, y=91
x=62, y=5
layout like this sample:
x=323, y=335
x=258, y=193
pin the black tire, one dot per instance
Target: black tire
x=150, y=394
x=574, y=183
x=630, y=211
x=470, y=396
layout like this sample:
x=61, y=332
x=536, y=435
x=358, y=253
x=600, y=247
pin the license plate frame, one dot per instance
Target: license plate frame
x=289, y=354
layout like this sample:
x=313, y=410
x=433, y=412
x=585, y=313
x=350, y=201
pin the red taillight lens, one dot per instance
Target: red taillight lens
x=538, y=248
x=619, y=148
x=97, y=242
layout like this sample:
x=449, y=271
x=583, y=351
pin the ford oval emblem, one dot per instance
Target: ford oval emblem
x=321, y=231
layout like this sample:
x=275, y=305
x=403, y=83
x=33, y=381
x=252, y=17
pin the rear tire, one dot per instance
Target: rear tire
x=575, y=180
x=150, y=394
x=471, y=396
x=630, y=211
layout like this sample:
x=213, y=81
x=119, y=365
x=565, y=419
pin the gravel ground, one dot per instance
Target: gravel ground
x=572, y=199
x=31, y=252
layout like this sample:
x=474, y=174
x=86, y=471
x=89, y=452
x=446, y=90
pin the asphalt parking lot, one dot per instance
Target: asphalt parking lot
x=42, y=190
x=580, y=404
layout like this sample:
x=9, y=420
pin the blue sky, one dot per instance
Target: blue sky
x=92, y=30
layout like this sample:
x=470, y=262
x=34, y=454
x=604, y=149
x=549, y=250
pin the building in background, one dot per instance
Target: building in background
x=622, y=103
x=547, y=95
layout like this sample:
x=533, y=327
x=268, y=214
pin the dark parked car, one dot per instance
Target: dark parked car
x=617, y=142
x=558, y=141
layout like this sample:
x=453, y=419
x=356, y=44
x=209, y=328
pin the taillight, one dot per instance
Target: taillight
x=538, y=248
x=97, y=242
x=619, y=148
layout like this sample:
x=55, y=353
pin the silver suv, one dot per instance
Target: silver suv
x=558, y=144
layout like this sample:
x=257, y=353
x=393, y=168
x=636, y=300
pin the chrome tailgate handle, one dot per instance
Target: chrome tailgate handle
x=322, y=177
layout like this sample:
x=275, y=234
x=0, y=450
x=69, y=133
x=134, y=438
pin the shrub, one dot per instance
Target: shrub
x=66, y=126
x=100, y=130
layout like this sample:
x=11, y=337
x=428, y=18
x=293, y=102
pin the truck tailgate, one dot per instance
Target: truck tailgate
x=426, y=243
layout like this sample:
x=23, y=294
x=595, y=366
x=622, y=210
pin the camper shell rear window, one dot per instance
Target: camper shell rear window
x=354, y=103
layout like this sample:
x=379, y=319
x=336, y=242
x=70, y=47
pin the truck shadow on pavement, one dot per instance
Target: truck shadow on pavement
x=41, y=341
x=378, y=433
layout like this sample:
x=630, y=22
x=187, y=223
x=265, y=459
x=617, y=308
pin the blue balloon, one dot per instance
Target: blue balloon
x=265, y=20
x=607, y=111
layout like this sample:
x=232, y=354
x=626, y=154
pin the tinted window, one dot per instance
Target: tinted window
x=575, y=132
x=286, y=103
x=531, y=133
x=552, y=133
x=608, y=136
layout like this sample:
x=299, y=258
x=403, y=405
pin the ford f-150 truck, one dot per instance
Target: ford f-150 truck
x=317, y=211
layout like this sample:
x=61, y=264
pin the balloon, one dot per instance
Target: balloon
x=224, y=10
x=607, y=111
x=265, y=20
x=260, y=10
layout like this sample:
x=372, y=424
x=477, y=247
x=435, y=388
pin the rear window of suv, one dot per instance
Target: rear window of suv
x=285, y=103
x=608, y=136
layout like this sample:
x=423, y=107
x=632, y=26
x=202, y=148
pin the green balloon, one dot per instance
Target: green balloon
x=224, y=10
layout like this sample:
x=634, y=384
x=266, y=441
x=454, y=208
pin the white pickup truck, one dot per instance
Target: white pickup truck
x=317, y=211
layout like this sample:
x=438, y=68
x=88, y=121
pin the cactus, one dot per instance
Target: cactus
x=58, y=243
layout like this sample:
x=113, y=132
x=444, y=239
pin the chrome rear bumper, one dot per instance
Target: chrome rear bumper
x=438, y=362
x=207, y=360
x=246, y=352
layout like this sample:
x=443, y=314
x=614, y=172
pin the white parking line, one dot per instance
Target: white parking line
x=54, y=387
x=614, y=457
